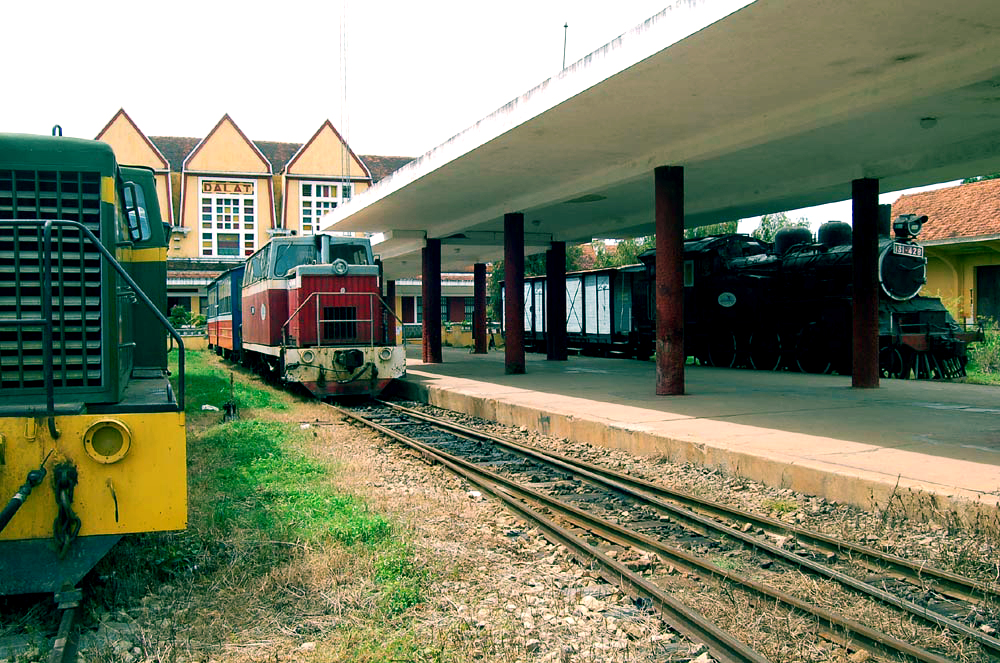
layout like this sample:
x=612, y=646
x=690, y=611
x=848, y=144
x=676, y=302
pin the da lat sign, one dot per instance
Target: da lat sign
x=227, y=187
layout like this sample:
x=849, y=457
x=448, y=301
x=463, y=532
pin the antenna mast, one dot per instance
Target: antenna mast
x=344, y=115
x=565, y=37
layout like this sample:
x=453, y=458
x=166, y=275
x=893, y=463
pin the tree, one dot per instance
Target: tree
x=770, y=224
x=626, y=252
x=980, y=178
x=724, y=228
x=534, y=265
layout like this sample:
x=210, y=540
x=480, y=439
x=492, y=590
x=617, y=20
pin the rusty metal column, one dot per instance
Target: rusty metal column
x=431, y=290
x=670, y=356
x=513, y=278
x=864, y=361
x=479, y=308
x=390, y=300
x=555, y=302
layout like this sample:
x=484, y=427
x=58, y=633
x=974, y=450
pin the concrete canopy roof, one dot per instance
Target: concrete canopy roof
x=768, y=105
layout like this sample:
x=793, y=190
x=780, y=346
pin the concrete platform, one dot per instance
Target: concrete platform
x=930, y=447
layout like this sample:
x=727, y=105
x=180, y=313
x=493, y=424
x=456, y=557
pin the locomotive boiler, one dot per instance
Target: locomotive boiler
x=782, y=306
x=751, y=304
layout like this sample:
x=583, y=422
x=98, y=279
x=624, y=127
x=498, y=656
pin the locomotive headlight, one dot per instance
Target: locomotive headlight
x=308, y=356
x=107, y=441
x=385, y=354
x=908, y=225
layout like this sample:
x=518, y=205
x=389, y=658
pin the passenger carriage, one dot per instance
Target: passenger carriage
x=225, y=313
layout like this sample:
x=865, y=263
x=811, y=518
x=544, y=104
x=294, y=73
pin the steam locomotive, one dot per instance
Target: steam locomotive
x=781, y=306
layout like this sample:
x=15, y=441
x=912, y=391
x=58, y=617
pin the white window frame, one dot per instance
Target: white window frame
x=246, y=230
x=320, y=205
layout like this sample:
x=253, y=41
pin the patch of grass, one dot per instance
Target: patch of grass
x=401, y=581
x=272, y=545
x=207, y=382
x=781, y=506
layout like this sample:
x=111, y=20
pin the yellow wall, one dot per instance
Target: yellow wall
x=293, y=197
x=228, y=156
x=225, y=150
x=188, y=245
x=132, y=149
x=323, y=159
x=324, y=155
x=951, y=275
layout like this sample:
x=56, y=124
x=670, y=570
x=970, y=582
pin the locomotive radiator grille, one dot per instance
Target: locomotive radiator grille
x=340, y=324
x=76, y=280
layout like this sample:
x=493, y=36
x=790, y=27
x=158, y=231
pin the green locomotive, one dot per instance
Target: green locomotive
x=92, y=440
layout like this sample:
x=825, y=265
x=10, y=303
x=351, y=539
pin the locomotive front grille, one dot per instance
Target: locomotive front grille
x=340, y=324
x=75, y=273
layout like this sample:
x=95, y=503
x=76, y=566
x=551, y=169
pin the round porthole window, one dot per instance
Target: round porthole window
x=107, y=441
x=727, y=300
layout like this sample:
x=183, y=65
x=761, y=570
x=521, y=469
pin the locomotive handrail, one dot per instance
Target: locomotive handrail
x=370, y=319
x=47, y=323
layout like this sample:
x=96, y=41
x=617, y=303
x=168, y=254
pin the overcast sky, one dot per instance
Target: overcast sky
x=417, y=72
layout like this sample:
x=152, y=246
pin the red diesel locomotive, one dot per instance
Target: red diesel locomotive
x=312, y=314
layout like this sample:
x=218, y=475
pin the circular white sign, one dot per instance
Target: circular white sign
x=727, y=300
x=263, y=311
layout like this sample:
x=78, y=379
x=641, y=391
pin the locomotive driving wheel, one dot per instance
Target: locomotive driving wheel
x=812, y=350
x=892, y=362
x=722, y=349
x=765, y=349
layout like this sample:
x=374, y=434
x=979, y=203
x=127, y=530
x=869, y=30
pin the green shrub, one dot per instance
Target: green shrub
x=985, y=355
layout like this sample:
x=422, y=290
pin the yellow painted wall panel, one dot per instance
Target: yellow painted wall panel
x=226, y=150
x=326, y=155
x=149, y=482
x=130, y=146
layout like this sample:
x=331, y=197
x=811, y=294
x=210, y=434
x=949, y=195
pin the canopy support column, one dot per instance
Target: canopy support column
x=864, y=360
x=431, y=291
x=391, y=322
x=555, y=302
x=670, y=355
x=479, y=308
x=513, y=266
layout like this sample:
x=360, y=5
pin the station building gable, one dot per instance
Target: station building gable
x=227, y=196
x=133, y=148
x=962, y=242
x=323, y=174
x=251, y=176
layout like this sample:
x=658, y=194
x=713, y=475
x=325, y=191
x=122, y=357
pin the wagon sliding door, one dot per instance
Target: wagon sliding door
x=574, y=305
x=597, y=305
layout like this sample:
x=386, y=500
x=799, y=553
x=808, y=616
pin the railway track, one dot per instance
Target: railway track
x=591, y=510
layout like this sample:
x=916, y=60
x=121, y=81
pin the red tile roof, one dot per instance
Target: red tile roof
x=176, y=150
x=967, y=210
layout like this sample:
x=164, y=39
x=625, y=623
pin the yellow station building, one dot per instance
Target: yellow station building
x=226, y=195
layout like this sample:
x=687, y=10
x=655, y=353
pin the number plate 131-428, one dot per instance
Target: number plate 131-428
x=908, y=250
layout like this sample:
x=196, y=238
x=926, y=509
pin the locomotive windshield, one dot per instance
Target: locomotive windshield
x=352, y=254
x=290, y=256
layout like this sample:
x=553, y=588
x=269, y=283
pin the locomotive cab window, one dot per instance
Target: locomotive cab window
x=352, y=254
x=289, y=256
x=136, y=216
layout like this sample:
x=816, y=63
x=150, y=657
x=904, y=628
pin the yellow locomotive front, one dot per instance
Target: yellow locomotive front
x=92, y=441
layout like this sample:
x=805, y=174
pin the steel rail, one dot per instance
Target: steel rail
x=940, y=580
x=723, y=646
x=612, y=531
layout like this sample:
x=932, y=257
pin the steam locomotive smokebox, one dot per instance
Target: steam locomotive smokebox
x=786, y=238
x=834, y=233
